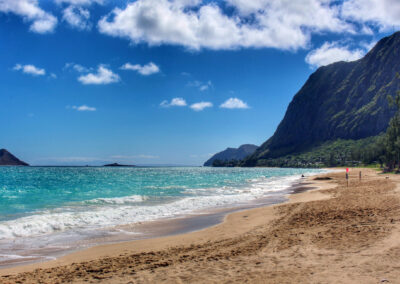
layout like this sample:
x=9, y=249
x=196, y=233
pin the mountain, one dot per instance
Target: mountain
x=232, y=154
x=344, y=100
x=8, y=159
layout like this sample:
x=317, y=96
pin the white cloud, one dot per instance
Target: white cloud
x=30, y=69
x=368, y=45
x=200, y=85
x=83, y=108
x=80, y=2
x=147, y=69
x=284, y=24
x=77, y=17
x=77, y=67
x=102, y=77
x=383, y=13
x=200, y=106
x=234, y=103
x=331, y=52
x=41, y=21
x=174, y=102
x=53, y=76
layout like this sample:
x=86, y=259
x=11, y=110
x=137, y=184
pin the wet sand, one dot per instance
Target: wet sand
x=330, y=234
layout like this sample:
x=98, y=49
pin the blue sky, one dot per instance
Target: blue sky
x=165, y=82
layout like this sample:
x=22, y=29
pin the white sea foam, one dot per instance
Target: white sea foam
x=117, y=200
x=104, y=213
x=7, y=257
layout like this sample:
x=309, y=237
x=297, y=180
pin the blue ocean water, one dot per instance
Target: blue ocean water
x=45, y=201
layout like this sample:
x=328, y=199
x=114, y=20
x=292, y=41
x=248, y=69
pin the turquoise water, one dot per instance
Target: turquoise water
x=25, y=190
x=46, y=203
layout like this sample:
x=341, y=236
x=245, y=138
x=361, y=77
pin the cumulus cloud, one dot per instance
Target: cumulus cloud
x=331, y=52
x=77, y=17
x=202, y=86
x=234, y=103
x=174, y=102
x=102, y=77
x=200, y=106
x=383, y=13
x=30, y=69
x=80, y=2
x=83, y=108
x=41, y=21
x=368, y=45
x=145, y=70
x=77, y=67
x=284, y=24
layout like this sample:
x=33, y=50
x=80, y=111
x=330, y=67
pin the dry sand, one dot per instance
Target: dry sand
x=332, y=234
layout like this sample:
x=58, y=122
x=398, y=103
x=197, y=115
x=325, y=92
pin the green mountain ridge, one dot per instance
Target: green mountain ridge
x=232, y=154
x=344, y=100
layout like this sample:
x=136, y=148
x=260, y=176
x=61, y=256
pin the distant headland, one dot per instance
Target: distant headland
x=118, y=165
x=8, y=159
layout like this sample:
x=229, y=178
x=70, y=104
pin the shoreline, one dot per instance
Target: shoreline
x=170, y=228
x=164, y=227
x=330, y=234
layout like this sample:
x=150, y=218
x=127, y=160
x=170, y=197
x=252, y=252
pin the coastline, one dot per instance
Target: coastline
x=163, y=227
x=328, y=234
x=166, y=229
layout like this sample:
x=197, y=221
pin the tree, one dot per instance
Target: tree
x=392, y=138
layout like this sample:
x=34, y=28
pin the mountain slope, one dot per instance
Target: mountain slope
x=8, y=159
x=232, y=154
x=344, y=100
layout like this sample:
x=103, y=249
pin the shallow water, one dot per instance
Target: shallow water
x=53, y=209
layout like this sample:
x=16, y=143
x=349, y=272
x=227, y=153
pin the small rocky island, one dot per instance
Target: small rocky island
x=118, y=165
x=8, y=159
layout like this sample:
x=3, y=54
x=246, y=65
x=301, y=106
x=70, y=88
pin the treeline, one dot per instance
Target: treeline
x=330, y=154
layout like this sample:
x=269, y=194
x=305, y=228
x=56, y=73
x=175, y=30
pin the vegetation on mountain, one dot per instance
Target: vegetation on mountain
x=231, y=154
x=333, y=154
x=344, y=115
x=344, y=100
x=391, y=142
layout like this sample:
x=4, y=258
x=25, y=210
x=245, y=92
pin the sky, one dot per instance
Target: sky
x=156, y=82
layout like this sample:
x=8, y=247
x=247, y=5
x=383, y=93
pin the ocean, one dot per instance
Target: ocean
x=47, y=211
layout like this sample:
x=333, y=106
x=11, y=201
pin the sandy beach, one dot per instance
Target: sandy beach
x=328, y=234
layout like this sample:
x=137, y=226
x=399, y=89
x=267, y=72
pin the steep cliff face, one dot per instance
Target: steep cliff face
x=8, y=159
x=232, y=154
x=346, y=100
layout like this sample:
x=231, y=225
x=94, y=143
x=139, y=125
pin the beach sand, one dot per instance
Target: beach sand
x=330, y=234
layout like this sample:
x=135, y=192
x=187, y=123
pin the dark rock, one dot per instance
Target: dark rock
x=118, y=165
x=8, y=159
x=322, y=178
